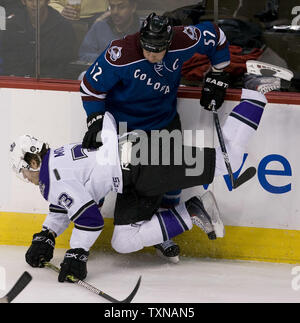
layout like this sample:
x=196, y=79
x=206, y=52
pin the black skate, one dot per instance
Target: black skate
x=261, y=83
x=205, y=214
x=265, y=77
x=168, y=250
x=200, y=217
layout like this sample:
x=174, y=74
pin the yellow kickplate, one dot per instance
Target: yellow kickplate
x=245, y=243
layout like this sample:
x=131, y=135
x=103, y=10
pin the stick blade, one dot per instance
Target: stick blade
x=244, y=177
x=132, y=294
x=22, y=282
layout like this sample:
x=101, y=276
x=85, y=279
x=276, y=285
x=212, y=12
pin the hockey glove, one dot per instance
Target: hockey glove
x=74, y=263
x=214, y=88
x=41, y=248
x=94, y=124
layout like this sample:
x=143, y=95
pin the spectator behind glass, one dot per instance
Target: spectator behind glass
x=121, y=21
x=166, y=5
x=19, y=42
x=90, y=9
x=11, y=6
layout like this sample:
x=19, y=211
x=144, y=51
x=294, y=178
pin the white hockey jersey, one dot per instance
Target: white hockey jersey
x=73, y=180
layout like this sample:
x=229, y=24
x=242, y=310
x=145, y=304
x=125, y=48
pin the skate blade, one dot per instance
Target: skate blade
x=266, y=69
x=211, y=206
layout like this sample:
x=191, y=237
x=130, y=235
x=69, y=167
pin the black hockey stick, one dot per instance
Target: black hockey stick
x=248, y=173
x=22, y=282
x=96, y=290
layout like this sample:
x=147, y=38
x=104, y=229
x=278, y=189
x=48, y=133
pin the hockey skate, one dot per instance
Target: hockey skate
x=168, y=250
x=205, y=214
x=264, y=77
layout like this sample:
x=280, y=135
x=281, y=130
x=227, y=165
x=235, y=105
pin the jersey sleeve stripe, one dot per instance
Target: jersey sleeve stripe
x=86, y=88
x=57, y=209
x=222, y=40
x=217, y=30
x=85, y=228
x=87, y=98
x=88, y=217
x=222, y=65
x=82, y=210
x=220, y=47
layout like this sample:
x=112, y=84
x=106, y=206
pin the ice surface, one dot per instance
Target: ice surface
x=191, y=281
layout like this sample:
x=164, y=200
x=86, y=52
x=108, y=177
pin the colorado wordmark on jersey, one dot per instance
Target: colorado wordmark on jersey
x=73, y=180
x=143, y=94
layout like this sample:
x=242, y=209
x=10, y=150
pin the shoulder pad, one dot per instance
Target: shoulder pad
x=185, y=37
x=124, y=51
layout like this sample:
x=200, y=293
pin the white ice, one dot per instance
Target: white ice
x=193, y=280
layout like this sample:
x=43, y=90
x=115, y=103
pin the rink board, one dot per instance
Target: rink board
x=245, y=243
x=261, y=217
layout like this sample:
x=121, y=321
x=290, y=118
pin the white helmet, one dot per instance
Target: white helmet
x=18, y=149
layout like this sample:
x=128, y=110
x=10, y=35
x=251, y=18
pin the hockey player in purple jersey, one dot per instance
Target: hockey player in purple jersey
x=137, y=78
x=73, y=180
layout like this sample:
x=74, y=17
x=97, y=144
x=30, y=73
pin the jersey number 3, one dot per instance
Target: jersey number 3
x=65, y=200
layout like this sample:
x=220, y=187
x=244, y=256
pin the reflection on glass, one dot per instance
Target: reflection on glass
x=267, y=30
x=121, y=20
x=87, y=10
x=19, y=41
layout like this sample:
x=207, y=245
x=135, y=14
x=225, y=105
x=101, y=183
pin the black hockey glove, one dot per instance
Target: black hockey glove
x=41, y=248
x=94, y=124
x=74, y=263
x=214, y=88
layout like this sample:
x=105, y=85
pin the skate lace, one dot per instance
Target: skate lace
x=203, y=223
x=166, y=244
x=267, y=88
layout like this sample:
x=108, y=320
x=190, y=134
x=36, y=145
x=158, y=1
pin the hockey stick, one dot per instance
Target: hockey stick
x=248, y=173
x=96, y=290
x=22, y=282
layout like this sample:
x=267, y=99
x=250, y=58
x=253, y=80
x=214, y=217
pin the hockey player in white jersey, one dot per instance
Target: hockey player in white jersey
x=73, y=180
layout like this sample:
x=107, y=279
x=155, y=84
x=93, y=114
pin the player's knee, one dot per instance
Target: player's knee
x=118, y=245
x=125, y=239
